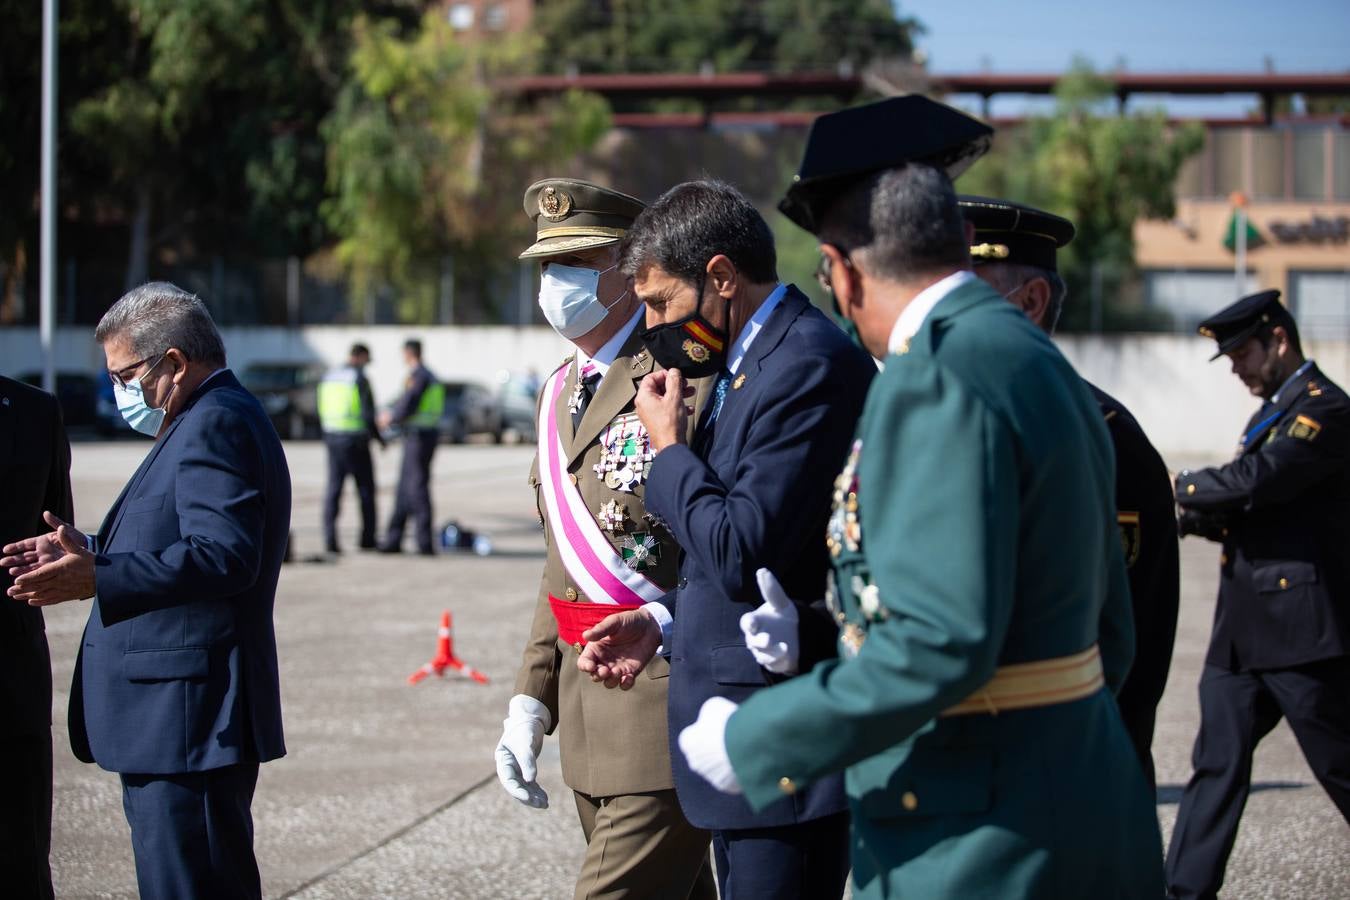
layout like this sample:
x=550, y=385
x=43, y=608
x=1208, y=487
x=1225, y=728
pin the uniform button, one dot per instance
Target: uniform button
x=684, y=583
x=577, y=646
x=570, y=593
x=573, y=477
x=534, y=482
x=1223, y=532
x=1190, y=488
x=787, y=785
x=909, y=801
x=1223, y=559
x=1284, y=583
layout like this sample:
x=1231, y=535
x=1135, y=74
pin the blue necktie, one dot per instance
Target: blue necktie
x=704, y=437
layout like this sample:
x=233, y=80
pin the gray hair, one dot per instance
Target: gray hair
x=157, y=316
x=1008, y=277
x=902, y=222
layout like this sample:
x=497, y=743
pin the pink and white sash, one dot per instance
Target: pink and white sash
x=586, y=553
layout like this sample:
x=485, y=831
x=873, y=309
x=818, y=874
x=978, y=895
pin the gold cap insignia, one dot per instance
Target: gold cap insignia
x=554, y=204
x=1206, y=332
x=989, y=251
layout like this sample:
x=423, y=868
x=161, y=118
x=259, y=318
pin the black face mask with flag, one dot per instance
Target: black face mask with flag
x=692, y=344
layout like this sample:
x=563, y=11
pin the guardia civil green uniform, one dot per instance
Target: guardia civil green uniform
x=974, y=533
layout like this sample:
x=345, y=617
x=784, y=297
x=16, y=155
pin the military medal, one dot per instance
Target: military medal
x=869, y=600
x=574, y=401
x=625, y=461
x=844, y=531
x=611, y=517
x=640, y=551
x=852, y=637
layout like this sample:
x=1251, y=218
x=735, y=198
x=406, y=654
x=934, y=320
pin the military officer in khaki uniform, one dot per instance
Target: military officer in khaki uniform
x=604, y=555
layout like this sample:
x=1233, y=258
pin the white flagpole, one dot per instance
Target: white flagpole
x=47, y=261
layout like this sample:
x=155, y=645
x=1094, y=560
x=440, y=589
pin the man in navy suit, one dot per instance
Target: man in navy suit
x=176, y=683
x=752, y=491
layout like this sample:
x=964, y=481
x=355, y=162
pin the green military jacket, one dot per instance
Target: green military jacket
x=974, y=526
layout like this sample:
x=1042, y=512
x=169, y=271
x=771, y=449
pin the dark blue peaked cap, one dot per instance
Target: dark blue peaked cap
x=850, y=144
x=1233, y=325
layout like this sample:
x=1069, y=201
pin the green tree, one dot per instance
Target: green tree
x=1103, y=171
x=731, y=35
x=425, y=158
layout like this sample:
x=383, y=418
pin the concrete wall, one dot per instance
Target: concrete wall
x=1192, y=409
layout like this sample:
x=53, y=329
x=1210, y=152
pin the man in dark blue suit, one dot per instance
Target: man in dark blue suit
x=176, y=684
x=753, y=491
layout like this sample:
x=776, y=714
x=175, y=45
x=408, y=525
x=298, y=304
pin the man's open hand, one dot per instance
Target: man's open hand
x=51, y=568
x=619, y=647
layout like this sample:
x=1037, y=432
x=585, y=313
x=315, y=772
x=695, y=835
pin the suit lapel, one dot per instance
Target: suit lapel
x=114, y=516
x=615, y=391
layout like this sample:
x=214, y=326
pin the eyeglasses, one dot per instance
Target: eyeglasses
x=826, y=264
x=123, y=375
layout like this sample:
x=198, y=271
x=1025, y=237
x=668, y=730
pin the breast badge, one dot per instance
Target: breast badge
x=612, y=517
x=640, y=551
x=851, y=638
x=1305, y=429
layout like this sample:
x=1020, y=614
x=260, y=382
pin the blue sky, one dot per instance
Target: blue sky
x=1146, y=35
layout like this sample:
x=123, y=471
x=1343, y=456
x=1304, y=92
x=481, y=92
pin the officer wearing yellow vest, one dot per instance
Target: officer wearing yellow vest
x=347, y=417
x=418, y=411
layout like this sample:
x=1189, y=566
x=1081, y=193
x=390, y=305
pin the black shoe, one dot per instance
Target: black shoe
x=368, y=545
x=334, y=549
x=389, y=548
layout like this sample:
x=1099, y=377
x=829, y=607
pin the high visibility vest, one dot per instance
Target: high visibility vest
x=340, y=403
x=429, y=408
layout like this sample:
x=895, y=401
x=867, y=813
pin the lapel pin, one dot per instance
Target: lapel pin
x=740, y=380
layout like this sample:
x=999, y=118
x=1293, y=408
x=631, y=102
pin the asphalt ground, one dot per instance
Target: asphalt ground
x=388, y=789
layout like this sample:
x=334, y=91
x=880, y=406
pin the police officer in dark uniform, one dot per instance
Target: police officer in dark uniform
x=34, y=477
x=418, y=411
x=1014, y=250
x=347, y=417
x=1281, y=640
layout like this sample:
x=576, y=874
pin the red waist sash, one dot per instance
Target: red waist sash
x=574, y=617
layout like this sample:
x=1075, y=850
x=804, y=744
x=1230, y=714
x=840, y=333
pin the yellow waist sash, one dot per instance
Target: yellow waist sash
x=1044, y=682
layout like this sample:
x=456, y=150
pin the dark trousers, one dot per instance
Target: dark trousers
x=1237, y=709
x=26, y=816
x=808, y=861
x=414, y=494
x=349, y=455
x=192, y=834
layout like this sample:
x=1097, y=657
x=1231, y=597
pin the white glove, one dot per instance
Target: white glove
x=522, y=737
x=771, y=629
x=704, y=745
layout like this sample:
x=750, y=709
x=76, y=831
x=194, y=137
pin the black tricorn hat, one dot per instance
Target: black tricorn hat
x=1233, y=325
x=852, y=143
x=1013, y=232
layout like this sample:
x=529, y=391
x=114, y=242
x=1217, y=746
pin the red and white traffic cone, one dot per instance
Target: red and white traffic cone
x=445, y=657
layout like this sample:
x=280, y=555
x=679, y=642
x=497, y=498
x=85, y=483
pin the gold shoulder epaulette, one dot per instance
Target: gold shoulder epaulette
x=1314, y=390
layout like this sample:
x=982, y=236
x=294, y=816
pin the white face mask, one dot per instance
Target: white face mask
x=131, y=404
x=568, y=299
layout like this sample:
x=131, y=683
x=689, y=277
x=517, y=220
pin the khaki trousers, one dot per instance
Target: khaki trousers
x=641, y=846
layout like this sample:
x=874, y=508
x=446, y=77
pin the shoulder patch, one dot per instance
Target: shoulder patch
x=1304, y=428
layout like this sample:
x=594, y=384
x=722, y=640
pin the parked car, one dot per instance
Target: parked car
x=470, y=408
x=288, y=393
x=77, y=392
x=517, y=395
